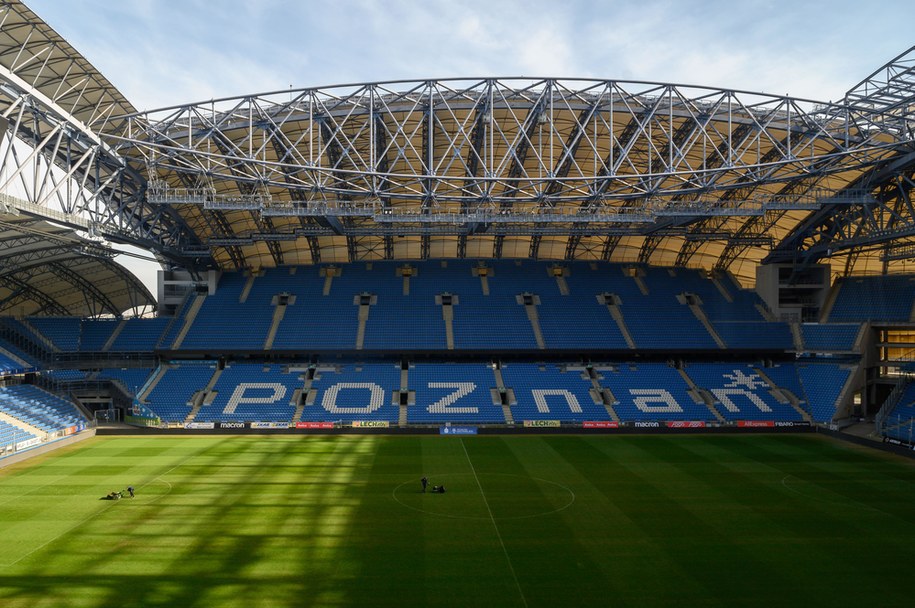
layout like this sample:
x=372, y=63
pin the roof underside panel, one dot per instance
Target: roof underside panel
x=50, y=270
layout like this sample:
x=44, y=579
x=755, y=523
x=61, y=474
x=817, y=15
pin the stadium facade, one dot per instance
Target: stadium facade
x=482, y=252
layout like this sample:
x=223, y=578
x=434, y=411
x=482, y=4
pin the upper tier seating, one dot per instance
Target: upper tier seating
x=64, y=332
x=96, y=333
x=224, y=323
x=71, y=334
x=826, y=337
x=140, y=335
x=404, y=316
x=754, y=335
x=9, y=366
x=874, y=298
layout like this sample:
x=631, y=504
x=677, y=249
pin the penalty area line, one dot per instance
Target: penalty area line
x=511, y=567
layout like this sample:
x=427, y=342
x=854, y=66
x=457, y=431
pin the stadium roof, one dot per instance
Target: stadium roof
x=51, y=93
x=548, y=168
x=48, y=269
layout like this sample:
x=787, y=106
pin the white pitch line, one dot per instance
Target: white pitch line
x=494, y=524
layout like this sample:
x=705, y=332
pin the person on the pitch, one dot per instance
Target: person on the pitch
x=130, y=491
x=425, y=482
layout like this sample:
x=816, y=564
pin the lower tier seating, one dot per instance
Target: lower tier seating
x=38, y=408
x=439, y=393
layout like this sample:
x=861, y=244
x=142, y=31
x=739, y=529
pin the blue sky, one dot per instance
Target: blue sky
x=166, y=52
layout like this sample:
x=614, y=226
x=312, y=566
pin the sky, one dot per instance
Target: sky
x=160, y=53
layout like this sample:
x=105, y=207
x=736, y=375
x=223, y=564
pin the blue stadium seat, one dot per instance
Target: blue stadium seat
x=822, y=384
x=249, y=392
x=829, y=337
x=740, y=393
x=171, y=396
x=545, y=392
x=874, y=298
x=651, y=391
x=38, y=408
x=350, y=393
x=458, y=392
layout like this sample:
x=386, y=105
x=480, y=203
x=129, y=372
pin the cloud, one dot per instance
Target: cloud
x=164, y=52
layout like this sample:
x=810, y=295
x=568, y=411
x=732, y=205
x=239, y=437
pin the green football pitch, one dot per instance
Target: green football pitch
x=711, y=520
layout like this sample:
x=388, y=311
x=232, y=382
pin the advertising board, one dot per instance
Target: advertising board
x=457, y=430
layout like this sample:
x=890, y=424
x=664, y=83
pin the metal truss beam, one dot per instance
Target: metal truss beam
x=15, y=262
x=96, y=301
x=534, y=246
x=533, y=123
x=22, y=291
x=67, y=167
x=880, y=219
x=426, y=109
x=264, y=224
x=600, y=153
x=884, y=100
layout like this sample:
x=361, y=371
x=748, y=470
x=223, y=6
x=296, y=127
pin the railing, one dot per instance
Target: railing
x=891, y=401
x=900, y=428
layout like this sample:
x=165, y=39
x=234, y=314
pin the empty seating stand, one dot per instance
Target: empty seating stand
x=10, y=435
x=140, y=335
x=547, y=392
x=248, y=392
x=64, y=332
x=352, y=393
x=874, y=298
x=520, y=305
x=170, y=399
x=740, y=393
x=38, y=408
x=651, y=392
x=900, y=422
x=830, y=337
x=822, y=384
x=453, y=393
